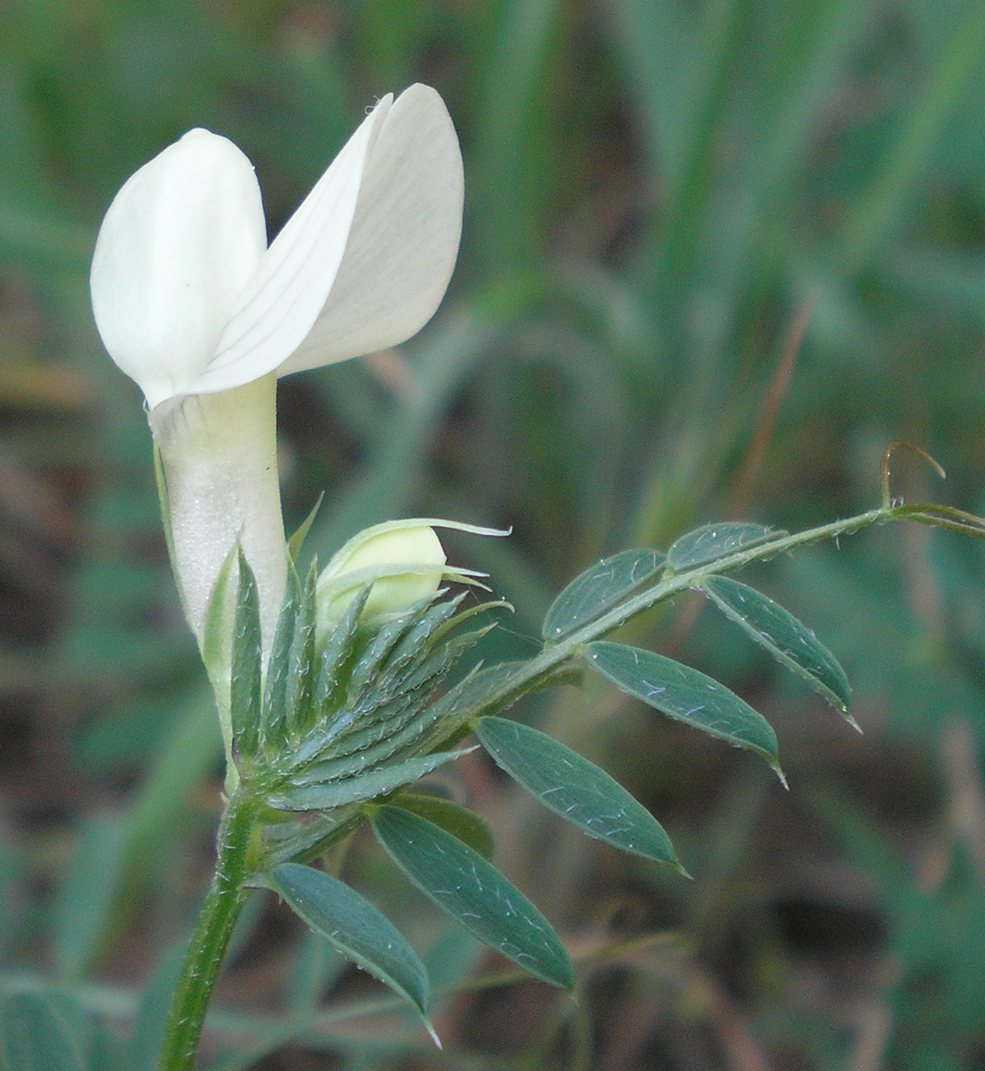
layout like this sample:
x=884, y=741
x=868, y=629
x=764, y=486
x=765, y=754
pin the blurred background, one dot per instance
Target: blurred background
x=717, y=255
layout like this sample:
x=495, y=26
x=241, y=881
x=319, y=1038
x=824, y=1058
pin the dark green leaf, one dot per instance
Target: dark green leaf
x=474, y=694
x=357, y=729
x=418, y=641
x=452, y=818
x=474, y=893
x=362, y=747
x=35, y=1037
x=575, y=788
x=786, y=638
x=291, y=842
x=598, y=589
x=245, y=693
x=334, y=666
x=352, y=925
x=686, y=695
x=325, y=796
x=371, y=724
x=398, y=739
x=714, y=541
x=442, y=657
x=300, y=678
x=272, y=722
x=372, y=660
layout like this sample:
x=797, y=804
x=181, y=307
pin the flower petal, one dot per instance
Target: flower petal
x=404, y=238
x=219, y=454
x=294, y=279
x=179, y=243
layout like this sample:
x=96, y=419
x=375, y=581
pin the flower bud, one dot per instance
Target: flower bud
x=404, y=560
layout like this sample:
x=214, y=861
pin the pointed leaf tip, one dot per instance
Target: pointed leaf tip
x=351, y=924
x=247, y=662
x=296, y=542
x=787, y=639
x=686, y=695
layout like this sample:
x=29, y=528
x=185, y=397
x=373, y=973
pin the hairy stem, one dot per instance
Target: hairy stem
x=207, y=947
x=504, y=689
x=555, y=655
x=227, y=892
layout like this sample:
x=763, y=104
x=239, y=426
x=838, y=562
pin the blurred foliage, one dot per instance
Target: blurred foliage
x=717, y=255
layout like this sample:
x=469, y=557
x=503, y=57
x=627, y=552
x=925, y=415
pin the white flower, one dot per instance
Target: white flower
x=191, y=303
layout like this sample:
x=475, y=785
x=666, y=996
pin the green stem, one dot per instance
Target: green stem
x=690, y=578
x=207, y=947
x=319, y=835
x=555, y=655
x=236, y=862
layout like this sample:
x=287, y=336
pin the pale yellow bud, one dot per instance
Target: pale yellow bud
x=405, y=563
